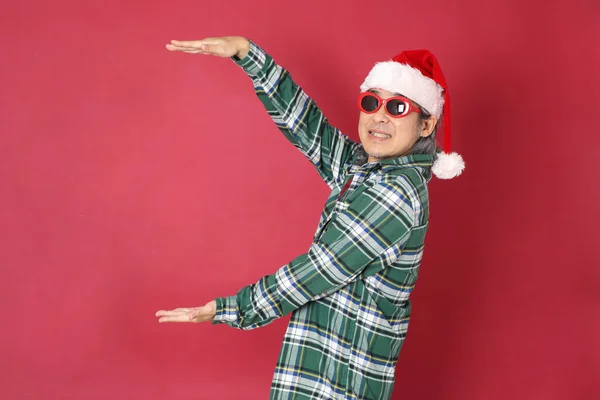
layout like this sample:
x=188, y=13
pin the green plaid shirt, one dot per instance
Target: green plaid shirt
x=349, y=294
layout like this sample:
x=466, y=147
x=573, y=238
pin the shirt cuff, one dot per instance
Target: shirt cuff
x=226, y=310
x=254, y=61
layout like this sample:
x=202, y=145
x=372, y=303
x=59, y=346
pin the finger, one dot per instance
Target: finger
x=208, y=46
x=175, y=318
x=188, y=50
x=165, y=313
x=194, y=52
x=172, y=46
x=181, y=48
x=187, y=43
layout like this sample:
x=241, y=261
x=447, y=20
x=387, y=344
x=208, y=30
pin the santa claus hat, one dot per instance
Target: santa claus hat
x=417, y=75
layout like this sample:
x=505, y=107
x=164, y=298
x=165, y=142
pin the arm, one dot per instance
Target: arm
x=364, y=239
x=296, y=115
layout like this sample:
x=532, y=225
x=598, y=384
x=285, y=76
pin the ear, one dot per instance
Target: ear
x=428, y=126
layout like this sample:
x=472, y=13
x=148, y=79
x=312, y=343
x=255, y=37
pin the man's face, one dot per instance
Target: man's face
x=383, y=136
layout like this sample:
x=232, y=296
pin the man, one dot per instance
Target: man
x=349, y=294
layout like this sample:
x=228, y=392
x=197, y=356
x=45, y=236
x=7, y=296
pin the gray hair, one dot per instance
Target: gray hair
x=427, y=144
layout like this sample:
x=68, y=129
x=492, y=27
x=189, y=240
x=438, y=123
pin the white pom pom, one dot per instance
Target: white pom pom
x=448, y=166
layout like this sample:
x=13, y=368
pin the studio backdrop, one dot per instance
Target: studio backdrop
x=134, y=179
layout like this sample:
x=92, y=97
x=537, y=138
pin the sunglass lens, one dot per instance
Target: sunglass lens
x=369, y=103
x=396, y=107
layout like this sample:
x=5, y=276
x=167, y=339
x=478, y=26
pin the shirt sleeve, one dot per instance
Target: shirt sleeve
x=297, y=116
x=360, y=241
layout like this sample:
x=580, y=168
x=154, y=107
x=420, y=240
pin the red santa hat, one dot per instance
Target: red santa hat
x=417, y=75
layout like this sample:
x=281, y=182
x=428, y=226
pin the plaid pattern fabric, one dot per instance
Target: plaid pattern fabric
x=349, y=294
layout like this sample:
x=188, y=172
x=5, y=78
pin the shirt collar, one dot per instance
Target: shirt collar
x=424, y=161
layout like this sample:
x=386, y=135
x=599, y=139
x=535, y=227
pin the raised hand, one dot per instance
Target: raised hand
x=195, y=314
x=227, y=46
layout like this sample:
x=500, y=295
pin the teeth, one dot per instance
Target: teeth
x=380, y=135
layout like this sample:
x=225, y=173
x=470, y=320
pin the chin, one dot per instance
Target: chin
x=377, y=151
x=378, y=155
x=382, y=155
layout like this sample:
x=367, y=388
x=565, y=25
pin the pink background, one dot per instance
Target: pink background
x=135, y=179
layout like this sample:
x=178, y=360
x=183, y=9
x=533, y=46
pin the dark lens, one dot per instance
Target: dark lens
x=396, y=107
x=369, y=103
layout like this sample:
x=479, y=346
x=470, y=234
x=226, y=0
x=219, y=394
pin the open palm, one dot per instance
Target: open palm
x=226, y=46
x=194, y=314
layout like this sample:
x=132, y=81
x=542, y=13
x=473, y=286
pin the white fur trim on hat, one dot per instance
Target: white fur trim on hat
x=448, y=166
x=408, y=81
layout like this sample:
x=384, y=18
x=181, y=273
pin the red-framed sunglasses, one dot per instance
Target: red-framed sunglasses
x=395, y=107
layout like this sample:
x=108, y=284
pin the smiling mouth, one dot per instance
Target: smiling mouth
x=380, y=135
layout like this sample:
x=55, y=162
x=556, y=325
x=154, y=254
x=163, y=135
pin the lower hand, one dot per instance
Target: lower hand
x=196, y=314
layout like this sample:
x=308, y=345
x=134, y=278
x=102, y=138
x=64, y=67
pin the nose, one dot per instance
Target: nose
x=381, y=116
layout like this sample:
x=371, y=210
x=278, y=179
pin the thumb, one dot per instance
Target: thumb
x=216, y=49
x=210, y=44
x=207, y=47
